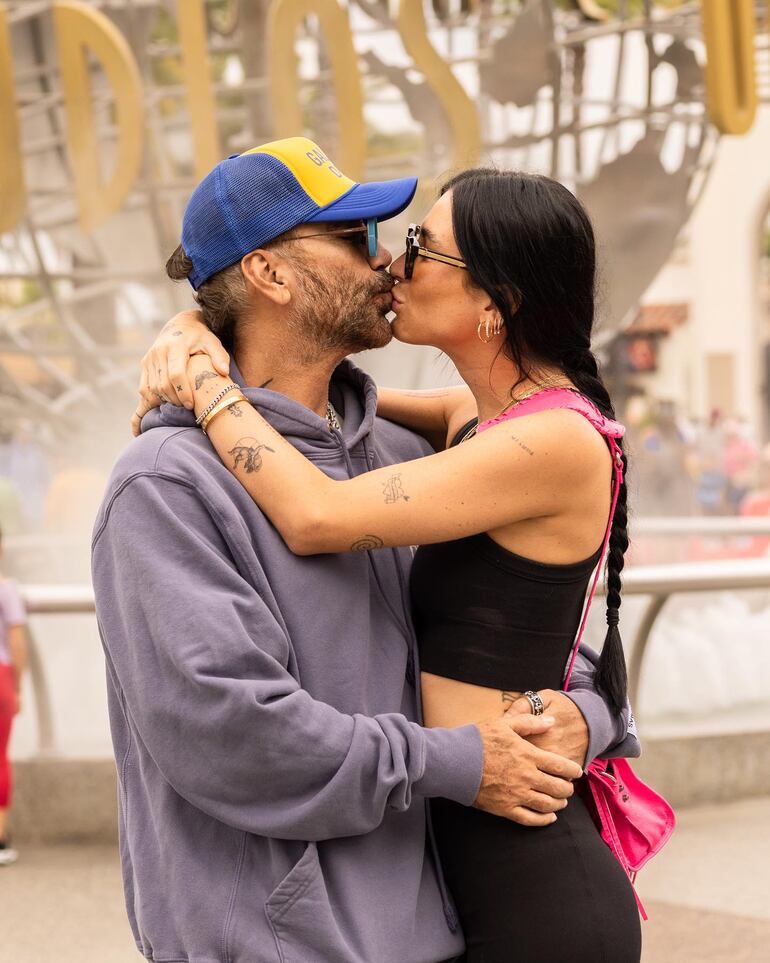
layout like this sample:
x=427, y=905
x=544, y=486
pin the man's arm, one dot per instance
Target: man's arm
x=200, y=667
x=586, y=726
x=201, y=664
x=609, y=734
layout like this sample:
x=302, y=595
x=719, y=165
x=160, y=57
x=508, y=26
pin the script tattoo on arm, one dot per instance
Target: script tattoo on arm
x=203, y=376
x=248, y=452
x=366, y=544
x=521, y=445
x=394, y=490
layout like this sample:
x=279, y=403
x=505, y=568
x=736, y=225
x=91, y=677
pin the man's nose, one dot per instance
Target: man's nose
x=381, y=259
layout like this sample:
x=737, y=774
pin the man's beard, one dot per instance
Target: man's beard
x=335, y=314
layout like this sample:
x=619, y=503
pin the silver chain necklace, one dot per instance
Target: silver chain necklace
x=331, y=418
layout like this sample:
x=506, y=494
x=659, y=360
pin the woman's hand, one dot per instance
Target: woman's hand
x=164, y=367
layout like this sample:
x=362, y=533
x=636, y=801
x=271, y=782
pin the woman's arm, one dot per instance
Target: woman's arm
x=426, y=412
x=509, y=473
x=164, y=367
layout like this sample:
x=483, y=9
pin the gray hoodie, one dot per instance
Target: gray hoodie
x=273, y=776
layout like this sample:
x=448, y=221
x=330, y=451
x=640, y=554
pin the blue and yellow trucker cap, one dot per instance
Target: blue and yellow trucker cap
x=251, y=198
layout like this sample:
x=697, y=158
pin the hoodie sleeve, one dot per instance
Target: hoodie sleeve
x=609, y=734
x=201, y=664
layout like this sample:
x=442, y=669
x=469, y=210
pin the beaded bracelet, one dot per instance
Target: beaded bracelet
x=215, y=401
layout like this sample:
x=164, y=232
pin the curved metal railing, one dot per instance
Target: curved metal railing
x=658, y=582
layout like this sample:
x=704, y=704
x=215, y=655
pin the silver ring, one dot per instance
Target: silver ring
x=538, y=706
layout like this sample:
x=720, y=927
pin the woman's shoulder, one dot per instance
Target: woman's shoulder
x=568, y=442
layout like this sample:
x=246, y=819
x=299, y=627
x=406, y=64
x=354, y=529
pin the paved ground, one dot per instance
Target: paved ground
x=707, y=897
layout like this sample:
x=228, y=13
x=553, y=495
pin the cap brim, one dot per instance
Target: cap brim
x=380, y=199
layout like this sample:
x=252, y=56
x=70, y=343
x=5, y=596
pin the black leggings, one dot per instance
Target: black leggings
x=554, y=894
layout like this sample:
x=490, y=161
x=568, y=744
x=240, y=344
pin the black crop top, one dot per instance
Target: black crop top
x=487, y=616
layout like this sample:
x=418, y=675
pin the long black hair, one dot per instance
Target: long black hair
x=528, y=242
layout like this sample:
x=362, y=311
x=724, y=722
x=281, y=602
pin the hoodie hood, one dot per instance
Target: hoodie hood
x=352, y=392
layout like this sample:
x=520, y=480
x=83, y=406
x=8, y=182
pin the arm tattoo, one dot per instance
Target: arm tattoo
x=394, y=490
x=521, y=445
x=266, y=383
x=366, y=544
x=235, y=411
x=510, y=696
x=247, y=451
x=203, y=376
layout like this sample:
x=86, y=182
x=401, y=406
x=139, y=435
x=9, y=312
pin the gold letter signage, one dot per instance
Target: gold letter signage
x=731, y=86
x=78, y=29
x=13, y=194
x=284, y=18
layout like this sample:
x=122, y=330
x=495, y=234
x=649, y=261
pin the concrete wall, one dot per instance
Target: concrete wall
x=74, y=800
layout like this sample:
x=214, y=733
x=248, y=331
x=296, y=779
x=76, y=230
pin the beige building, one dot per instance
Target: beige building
x=708, y=308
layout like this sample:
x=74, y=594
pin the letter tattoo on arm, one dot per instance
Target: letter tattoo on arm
x=394, y=490
x=203, y=376
x=247, y=452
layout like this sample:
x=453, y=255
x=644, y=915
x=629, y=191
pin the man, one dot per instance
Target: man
x=264, y=707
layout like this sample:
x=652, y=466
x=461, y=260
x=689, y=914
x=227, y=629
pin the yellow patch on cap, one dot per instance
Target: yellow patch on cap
x=316, y=174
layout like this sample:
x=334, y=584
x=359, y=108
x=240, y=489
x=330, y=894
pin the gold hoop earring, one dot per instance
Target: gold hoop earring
x=490, y=331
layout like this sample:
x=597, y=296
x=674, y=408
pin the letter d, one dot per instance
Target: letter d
x=78, y=28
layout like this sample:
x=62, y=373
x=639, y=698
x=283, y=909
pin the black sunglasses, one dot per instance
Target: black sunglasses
x=413, y=249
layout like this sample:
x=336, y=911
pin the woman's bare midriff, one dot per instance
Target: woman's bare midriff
x=447, y=702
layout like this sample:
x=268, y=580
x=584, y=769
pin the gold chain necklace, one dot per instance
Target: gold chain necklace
x=516, y=401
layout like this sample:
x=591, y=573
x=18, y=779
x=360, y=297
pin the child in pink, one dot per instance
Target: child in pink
x=12, y=663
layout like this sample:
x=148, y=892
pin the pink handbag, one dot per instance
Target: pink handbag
x=633, y=820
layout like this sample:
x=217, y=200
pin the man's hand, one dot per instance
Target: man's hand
x=568, y=736
x=164, y=368
x=521, y=781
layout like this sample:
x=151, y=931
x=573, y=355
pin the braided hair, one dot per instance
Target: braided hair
x=528, y=242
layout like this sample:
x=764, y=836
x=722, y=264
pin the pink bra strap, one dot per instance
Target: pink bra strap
x=548, y=399
x=617, y=466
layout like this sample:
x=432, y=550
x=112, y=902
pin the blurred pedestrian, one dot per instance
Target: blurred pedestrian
x=13, y=661
x=757, y=503
x=740, y=459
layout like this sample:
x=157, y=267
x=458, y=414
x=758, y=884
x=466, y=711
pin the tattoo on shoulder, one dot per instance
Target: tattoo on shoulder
x=521, y=445
x=394, y=490
x=366, y=544
x=204, y=376
x=248, y=453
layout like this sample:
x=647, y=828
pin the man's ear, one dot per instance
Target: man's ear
x=268, y=274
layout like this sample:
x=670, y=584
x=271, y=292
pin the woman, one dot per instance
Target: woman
x=510, y=518
x=13, y=660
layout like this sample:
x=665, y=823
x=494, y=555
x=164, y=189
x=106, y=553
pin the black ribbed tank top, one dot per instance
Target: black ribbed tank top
x=487, y=616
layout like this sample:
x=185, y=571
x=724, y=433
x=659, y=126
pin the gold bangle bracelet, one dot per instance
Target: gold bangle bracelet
x=226, y=403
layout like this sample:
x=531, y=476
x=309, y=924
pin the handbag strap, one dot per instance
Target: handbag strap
x=548, y=399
